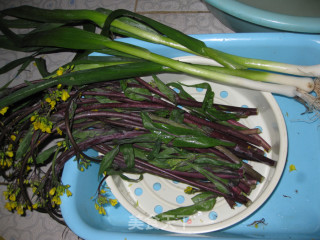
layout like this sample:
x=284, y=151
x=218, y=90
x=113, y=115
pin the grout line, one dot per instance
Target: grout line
x=170, y=12
x=135, y=6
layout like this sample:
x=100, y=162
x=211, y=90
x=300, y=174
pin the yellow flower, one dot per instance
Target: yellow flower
x=6, y=194
x=60, y=71
x=59, y=132
x=20, y=209
x=188, y=189
x=53, y=104
x=96, y=206
x=69, y=193
x=55, y=200
x=65, y=95
x=102, y=211
x=59, y=144
x=13, y=205
x=52, y=191
x=13, y=137
x=9, y=162
x=48, y=100
x=8, y=206
x=4, y=110
x=12, y=197
x=292, y=168
x=35, y=205
x=58, y=200
x=48, y=129
x=113, y=202
x=9, y=153
x=36, y=125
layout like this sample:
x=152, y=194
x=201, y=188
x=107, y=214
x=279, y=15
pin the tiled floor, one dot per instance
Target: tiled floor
x=188, y=16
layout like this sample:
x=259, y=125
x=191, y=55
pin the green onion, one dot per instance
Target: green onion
x=234, y=70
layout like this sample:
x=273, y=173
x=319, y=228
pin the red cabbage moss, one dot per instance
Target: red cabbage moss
x=139, y=127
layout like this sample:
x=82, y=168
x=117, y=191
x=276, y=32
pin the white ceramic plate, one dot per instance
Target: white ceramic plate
x=153, y=195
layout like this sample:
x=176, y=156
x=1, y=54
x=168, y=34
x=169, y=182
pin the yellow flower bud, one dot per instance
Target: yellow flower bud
x=9, y=153
x=59, y=131
x=48, y=129
x=8, y=206
x=69, y=193
x=32, y=118
x=53, y=104
x=9, y=162
x=52, y=191
x=292, y=168
x=102, y=211
x=96, y=206
x=60, y=71
x=113, y=202
x=188, y=189
x=13, y=205
x=13, y=137
x=12, y=198
x=6, y=194
x=20, y=209
x=4, y=110
x=65, y=95
x=35, y=206
x=48, y=100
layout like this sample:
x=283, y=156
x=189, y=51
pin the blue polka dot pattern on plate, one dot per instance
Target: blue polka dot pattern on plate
x=156, y=186
x=199, y=89
x=213, y=215
x=180, y=199
x=158, y=209
x=224, y=94
x=138, y=191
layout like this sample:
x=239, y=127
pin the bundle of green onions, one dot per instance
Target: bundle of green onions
x=103, y=104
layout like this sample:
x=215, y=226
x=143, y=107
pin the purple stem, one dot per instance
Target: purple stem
x=264, y=144
x=188, y=118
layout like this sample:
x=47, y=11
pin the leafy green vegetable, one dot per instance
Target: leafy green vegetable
x=202, y=202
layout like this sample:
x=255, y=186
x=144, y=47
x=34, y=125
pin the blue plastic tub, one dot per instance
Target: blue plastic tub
x=301, y=16
x=293, y=210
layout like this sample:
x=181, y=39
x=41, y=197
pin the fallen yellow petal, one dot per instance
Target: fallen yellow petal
x=292, y=168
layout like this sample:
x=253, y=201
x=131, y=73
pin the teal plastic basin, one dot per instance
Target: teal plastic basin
x=302, y=16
